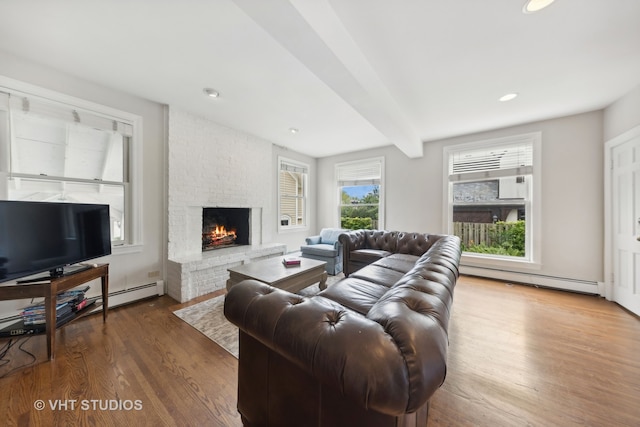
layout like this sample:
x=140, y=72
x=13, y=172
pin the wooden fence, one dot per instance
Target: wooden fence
x=472, y=233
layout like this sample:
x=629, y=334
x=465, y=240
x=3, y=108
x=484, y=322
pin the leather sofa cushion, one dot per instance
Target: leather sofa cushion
x=398, y=262
x=378, y=274
x=355, y=294
x=321, y=249
x=368, y=255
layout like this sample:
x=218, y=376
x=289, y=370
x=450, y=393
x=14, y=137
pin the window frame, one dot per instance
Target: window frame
x=133, y=241
x=532, y=258
x=304, y=198
x=381, y=196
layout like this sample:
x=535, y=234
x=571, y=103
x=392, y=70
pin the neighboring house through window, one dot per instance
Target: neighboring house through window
x=59, y=151
x=492, y=197
x=361, y=202
x=293, y=186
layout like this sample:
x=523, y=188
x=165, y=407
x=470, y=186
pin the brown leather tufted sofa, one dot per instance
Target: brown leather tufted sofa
x=363, y=247
x=370, y=350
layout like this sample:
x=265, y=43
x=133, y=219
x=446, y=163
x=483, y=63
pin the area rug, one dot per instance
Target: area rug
x=208, y=318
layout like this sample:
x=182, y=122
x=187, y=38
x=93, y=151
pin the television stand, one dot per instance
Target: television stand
x=50, y=290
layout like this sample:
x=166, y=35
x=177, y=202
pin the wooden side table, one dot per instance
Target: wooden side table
x=50, y=291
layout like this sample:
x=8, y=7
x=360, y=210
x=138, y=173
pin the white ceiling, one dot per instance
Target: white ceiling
x=349, y=74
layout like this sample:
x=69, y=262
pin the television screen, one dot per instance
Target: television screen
x=42, y=236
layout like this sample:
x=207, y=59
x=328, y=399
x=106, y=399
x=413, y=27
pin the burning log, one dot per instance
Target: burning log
x=218, y=236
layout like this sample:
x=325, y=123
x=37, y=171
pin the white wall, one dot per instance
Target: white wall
x=622, y=115
x=572, y=202
x=134, y=269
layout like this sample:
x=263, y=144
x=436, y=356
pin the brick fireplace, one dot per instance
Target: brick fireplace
x=211, y=166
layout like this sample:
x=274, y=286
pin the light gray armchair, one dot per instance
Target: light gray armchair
x=325, y=247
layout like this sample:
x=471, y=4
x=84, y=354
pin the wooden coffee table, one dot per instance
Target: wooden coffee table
x=272, y=272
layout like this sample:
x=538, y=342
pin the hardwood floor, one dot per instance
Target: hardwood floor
x=518, y=356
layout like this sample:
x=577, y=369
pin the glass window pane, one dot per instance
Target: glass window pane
x=292, y=185
x=43, y=146
x=360, y=206
x=74, y=192
x=490, y=218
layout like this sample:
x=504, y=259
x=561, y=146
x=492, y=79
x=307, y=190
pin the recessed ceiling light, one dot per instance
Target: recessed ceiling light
x=293, y=130
x=212, y=92
x=508, y=97
x=532, y=6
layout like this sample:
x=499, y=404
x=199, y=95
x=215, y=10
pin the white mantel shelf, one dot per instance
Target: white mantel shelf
x=195, y=275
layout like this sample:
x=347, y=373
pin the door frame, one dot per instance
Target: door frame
x=608, y=290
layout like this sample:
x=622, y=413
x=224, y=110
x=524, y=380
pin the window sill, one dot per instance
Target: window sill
x=293, y=229
x=488, y=261
x=126, y=249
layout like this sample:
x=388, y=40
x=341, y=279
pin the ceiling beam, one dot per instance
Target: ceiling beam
x=313, y=34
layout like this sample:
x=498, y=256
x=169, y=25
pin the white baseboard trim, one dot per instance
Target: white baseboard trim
x=128, y=296
x=574, y=285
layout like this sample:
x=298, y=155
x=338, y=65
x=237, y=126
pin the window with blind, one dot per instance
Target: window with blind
x=361, y=197
x=492, y=187
x=55, y=151
x=293, y=180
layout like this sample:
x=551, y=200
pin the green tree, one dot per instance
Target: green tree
x=360, y=213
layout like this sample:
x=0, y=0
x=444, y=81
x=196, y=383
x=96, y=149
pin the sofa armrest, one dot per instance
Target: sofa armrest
x=312, y=240
x=351, y=241
x=342, y=349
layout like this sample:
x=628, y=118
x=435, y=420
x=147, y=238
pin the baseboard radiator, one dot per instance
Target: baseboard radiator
x=567, y=284
x=116, y=298
x=128, y=296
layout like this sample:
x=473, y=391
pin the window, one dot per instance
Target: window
x=60, y=151
x=492, y=200
x=293, y=185
x=361, y=197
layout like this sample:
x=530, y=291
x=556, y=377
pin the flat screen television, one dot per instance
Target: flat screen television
x=37, y=237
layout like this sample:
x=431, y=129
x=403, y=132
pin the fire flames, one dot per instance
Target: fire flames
x=220, y=231
x=219, y=236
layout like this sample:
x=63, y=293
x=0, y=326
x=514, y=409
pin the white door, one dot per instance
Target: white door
x=625, y=222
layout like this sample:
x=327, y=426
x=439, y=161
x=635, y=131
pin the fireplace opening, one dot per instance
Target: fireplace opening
x=224, y=227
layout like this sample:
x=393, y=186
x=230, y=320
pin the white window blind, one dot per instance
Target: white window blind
x=494, y=161
x=53, y=110
x=368, y=172
x=293, y=168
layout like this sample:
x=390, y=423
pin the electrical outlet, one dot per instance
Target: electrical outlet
x=152, y=274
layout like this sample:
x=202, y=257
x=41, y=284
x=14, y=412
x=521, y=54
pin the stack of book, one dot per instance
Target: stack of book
x=290, y=261
x=33, y=316
x=67, y=304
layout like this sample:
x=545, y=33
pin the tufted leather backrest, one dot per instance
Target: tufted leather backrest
x=391, y=241
x=380, y=239
x=414, y=243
